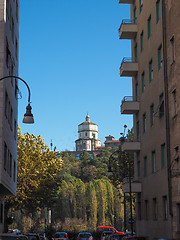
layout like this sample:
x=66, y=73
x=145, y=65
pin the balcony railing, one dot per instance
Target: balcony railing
x=128, y=60
x=135, y=186
x=126, y=1
x=128, y=29
x=130, y=146
x=129, y=105
x=129, y=67
x=128, y=21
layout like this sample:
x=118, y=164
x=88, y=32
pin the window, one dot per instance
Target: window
x=155, y=210
x=172, y=50
x=140, y=5
x=5, y=156
x=11, y=71
x=16, y=88
x=151, y=115
x=136, y=91
x=150, y=70
x=15, y=129
x=8, y=162
x=149, y=26
x=160, y=57
x=138, y=170
x=139, y=206
x=143, y=82
x=165, y=208
x=146, y=209
x=8, y=54
x=144, y=123
x=7, y=8
x=153, y=159
x=174, y=104
x=161, y=105
x=134, y=14
x=145, y=166
x=10, y=165
x=135, y=52
x=6, y=105
x=16, y=49
x=14, y=172
x=17, y=11
x=11, y=118
x=142, y=41
x=158, y=10
x=137, y=130
x=12, y=30
x=163, y=162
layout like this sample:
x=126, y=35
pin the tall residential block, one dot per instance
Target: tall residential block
x=9, y=41
x=154, y=66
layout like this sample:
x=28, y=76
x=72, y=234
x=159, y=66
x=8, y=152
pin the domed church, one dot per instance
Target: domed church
x=88, y=136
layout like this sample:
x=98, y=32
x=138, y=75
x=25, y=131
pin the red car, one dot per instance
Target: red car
x=108, y=228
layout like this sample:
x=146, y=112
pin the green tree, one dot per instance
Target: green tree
x=91, y=206
x=37, y=174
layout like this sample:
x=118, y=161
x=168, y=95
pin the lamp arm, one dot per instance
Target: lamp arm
x=22, y=81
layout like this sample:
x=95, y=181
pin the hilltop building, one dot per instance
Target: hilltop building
x=88, y=136
x=9, y=41
x=88, y=139
x=154, y=67
x=111, y=142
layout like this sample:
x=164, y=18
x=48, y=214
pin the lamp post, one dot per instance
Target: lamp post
x=122, y=139
x=28, y=116
x=130, y=195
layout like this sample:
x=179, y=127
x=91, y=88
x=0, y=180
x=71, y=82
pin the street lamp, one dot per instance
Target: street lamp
x=122, y=139
x=28, y=116
x=116, y=171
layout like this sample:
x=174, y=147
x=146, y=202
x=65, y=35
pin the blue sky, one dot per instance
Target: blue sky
x=70, y=54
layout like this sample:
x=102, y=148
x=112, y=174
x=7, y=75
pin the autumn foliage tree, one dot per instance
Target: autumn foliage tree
x=37, y=174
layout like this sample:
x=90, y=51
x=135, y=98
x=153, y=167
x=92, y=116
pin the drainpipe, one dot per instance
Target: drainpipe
x=167, y=107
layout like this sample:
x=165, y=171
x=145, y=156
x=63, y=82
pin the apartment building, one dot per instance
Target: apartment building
x=154, y=66
x=9, y=41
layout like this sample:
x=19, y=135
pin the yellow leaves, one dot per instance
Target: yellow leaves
x=36, y=164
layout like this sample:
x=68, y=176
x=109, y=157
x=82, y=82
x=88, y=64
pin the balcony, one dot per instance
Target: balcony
x=126, y=1
x=129, y=67
x=129, y=106
x=135, y=186
x=128, y=29
x=130, y=146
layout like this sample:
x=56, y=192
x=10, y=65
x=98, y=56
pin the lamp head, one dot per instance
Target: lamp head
x=28, y=116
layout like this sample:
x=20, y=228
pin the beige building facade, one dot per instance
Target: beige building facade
x=154, y=66
x=9, y=41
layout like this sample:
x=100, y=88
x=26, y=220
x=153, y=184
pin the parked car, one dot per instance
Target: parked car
x=116, y=236
x=60, y=236
x=134, y=238
x=43, y=236
x=84, y=236
x=108, y=228
x=12, y=236
x=105, y=234
x=32, y=236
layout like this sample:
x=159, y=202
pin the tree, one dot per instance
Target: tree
x=91, y=206
x=37, y=174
